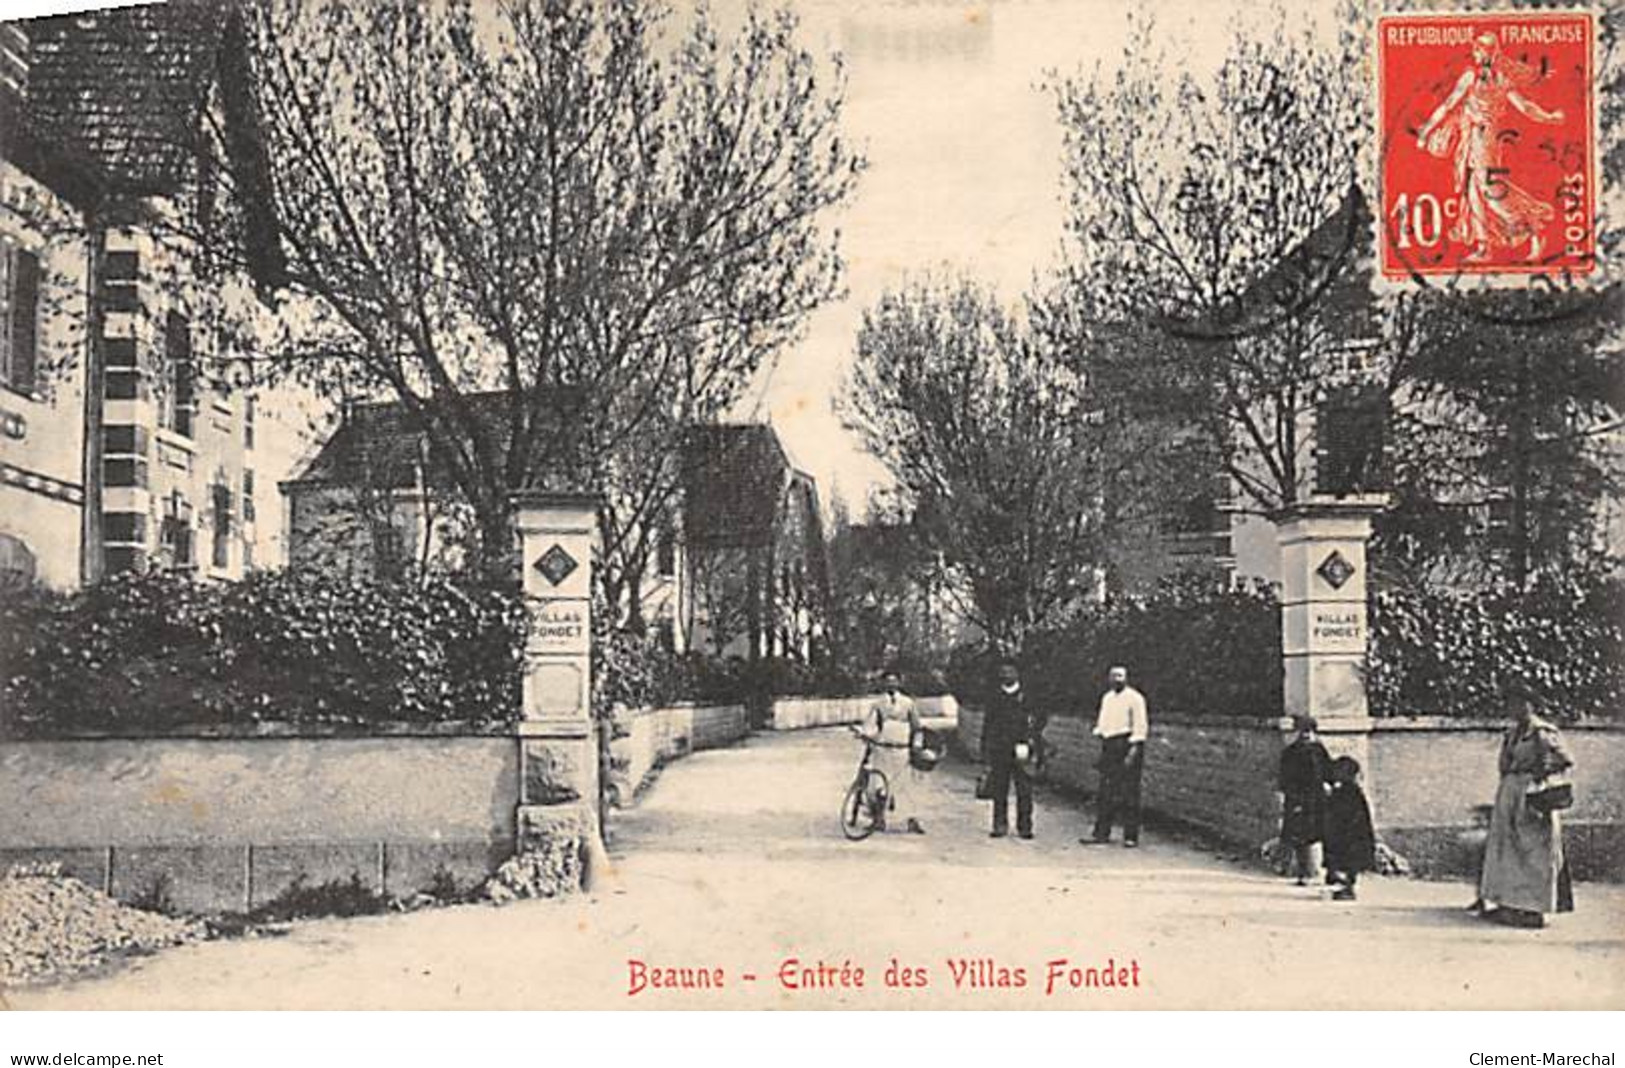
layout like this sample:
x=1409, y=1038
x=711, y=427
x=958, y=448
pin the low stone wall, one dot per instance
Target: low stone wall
x=226, y=820
x=652, y=737
x=801, y=713
x=229, y=822
x=1429, y=780
x=1438, y=779
x=1215, y=774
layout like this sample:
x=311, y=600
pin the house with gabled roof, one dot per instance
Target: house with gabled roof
x=754, y=538
x=739, y=570
x=1345, y=418
x=1335, y=429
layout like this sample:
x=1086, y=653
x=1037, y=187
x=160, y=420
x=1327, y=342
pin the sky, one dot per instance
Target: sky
x=945, y=100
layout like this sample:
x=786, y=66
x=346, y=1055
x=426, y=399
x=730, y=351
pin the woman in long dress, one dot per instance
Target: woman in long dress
x=894, y=723
x=1525, y=875
x=1493, y=211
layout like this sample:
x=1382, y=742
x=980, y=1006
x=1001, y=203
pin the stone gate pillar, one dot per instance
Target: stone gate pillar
x=1323, y=604
x=557, y=829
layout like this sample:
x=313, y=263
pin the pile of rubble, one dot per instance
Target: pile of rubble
x=53, y=926
x=553, y=869
x=1278, y=855
x=1390, y=861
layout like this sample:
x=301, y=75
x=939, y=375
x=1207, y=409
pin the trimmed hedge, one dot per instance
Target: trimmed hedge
x=144, y=653
x=1460, y=654
x=1191, y=647
x=1198, y=650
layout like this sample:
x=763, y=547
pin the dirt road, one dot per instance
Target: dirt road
x=733, y=864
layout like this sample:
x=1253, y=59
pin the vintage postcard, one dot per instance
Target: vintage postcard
x=813, y=504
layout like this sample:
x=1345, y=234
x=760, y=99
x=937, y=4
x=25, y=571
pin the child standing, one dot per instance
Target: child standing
x=1304, y=783
x=1351, y=841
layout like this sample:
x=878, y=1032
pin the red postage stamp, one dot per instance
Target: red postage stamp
x=1487, y=151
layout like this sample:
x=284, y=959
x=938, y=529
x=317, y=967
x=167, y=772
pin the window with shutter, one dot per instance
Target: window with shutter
x=19, y=319
x=222, y=526
x=180, y=373
x=1350, y=427
x=175, y=541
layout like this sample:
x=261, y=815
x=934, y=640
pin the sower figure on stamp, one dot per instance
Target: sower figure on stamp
x=1469, y=127
x=1122, y=727
x=1011, y=739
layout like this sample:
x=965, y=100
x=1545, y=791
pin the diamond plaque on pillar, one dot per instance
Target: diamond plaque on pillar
x=1335, y=569
x=556, y=564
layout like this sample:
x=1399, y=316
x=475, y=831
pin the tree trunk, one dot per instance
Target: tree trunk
x=1521, y=475
x=635, y=623
x=496, y=559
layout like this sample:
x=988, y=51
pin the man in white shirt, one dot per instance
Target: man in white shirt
x=1121, y=726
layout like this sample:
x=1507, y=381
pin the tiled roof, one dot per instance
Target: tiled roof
x=383, y=445
x=126, y=87
x=1327, y=271
x=375, y=444
x=735, y=478
x=64, y=168
x=734, y=475
x=13, y=59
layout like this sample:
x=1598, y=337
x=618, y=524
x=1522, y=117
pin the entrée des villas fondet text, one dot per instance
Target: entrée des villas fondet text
x=794, y=974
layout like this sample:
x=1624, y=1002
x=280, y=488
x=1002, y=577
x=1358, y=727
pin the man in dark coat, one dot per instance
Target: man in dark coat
x=1010, y=741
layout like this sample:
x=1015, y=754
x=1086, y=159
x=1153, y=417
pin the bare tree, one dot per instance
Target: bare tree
x=984, y=428
x=607, y=221
x=722, y=594
x=1223, y=211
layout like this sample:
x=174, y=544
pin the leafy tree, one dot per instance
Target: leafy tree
x=985, y=430
x=886, y=600
x=610, y=221
x=1506, y=444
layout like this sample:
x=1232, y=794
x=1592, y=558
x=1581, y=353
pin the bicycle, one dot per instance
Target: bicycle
x=863, y=809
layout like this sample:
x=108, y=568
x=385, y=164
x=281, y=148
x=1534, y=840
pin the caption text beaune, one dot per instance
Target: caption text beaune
x=1053, y=977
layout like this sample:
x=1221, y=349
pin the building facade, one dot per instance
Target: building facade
x=754, y=540
x=135, y=434
x=44, y=194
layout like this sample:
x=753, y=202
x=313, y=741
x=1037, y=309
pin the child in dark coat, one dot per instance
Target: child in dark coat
x=1351, y=841
x=1304, y=782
